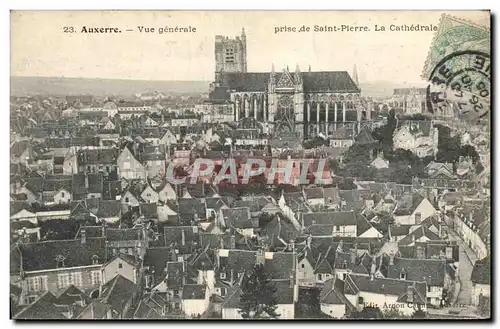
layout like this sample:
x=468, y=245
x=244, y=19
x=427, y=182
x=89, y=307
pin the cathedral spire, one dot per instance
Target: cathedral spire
x=355, y=75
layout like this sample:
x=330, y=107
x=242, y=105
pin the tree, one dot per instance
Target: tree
x=367, y=313
x=258, y=295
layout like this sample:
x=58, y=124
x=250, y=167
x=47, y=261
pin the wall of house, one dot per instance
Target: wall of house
x=129, y=167
x=50, y=215
x=163, y=212
x=50, y=280
x=337, y=311
x=62, y=197
x=322, y=277
x=435, y=294
x=386, y=302
x=114, y=268
x=231, y=313
x=316, y=202
x=286, y=311
x=193, y=307
x=150, y=195
x=371, y=233
x=305, y=273
x=347, y=230
x=208, y=278
x=30, y=197
x=168, y=193
x=25, y=215
x=156, y=168
x=477, y=290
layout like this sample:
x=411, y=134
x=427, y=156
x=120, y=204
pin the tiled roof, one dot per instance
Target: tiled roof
x=17, y=206
x=281, y=265
x=333, y=293
x=238, y=218
x=354, y=283
x=117, y=292
x=481, y=273
x=431, y=271
x=194, y=291
x=42, y=255
x=157, y=258
x=44, y=308
x=329, y=218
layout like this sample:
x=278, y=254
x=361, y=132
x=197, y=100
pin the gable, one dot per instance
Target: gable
x=23, y=214
x=285, y=81
x=403, y=134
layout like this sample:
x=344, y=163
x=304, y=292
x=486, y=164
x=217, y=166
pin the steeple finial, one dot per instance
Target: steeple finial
x=355, y=75
x=272, y=67
x=242, y=31
x=309, y=67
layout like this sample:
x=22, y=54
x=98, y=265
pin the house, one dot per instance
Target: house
x=122, y=264
x=155, y=163
x=314, y=196
x=368, y=291
x=96, y=310
x=119, y=293
x=332, y=300
x=419, y=137
x=380, y=162
x=195, y=299
x=412, y=209
x=342, y=137
x=54, y=265
x=42, y=308
x=431, y=271
x=153, y=306
x=342, y=223
x=364, y=229
x=191, y=210
x=438, y=170
x=416, y=235
x=481, y=281
x=129, y=167
x=21, y=152
x=91, y=161
x=238, y=219
x=168, y=138
x=149, y=194
x=166, y=192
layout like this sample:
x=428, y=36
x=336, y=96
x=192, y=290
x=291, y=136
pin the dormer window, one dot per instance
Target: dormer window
x=95, y=260
x=344, y=265
x=60, y=261
x=402, y=275
x=222, y=275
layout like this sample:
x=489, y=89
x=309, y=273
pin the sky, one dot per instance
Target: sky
x=39, y=46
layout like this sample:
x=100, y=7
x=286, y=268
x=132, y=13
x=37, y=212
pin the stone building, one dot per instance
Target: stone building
x=302, y=103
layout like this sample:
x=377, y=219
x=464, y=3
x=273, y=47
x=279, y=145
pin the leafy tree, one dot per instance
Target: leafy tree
x=258, y=297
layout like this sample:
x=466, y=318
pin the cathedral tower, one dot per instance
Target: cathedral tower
x=230, y=54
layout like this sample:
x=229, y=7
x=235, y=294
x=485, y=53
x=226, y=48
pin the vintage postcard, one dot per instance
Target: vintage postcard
x=329, y=165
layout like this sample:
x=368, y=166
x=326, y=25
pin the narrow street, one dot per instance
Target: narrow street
x=466, y=263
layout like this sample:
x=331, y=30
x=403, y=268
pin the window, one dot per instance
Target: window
x=402, y=276
x=126, y=165
x=429, y=289
x=95, y=259
x=127, y=200
x=302, y=266
x=320, y=276
x=177, y=306
x=107, y=168
x=95, y=278
x=337, y=228
x=222, y=292
x=223, y=275
x=360, y=301
x=62, y=194
x=37, y=283
x=66, y=279
x=60, y=261
x=176, y=293
x=31, y=299
x=120, y=265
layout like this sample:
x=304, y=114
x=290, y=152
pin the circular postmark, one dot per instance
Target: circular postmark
x=459, y=85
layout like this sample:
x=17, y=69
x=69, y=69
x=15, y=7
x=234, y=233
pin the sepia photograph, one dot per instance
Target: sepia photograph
x=242, y=165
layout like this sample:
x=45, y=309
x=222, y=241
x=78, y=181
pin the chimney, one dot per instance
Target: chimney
x=104, y=225
x=232, y=275
x=409, y=294
x=83, y=235
x=372, y=276
x=292, y=245
x=309, y=241
x=418, y=218
x=292, y=279
x=373, y=268
x=86, y=181
x=353, y=257
x=260, y=256
x=391, y=258
x=232, y=243
x=183, y=238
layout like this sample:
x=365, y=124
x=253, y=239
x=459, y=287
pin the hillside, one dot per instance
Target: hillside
x=24, y=86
